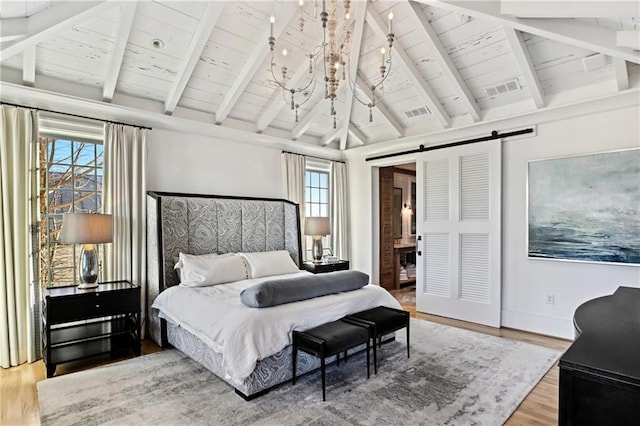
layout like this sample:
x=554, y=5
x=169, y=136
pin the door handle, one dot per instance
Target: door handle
x=419, y=253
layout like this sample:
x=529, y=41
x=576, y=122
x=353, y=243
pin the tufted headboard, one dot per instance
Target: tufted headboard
x=201, y=224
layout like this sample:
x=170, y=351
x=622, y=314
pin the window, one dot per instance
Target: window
x=70, y=180
x=316, y=189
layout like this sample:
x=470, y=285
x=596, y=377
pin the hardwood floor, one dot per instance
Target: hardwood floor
x=18, y=392
x=19, y=399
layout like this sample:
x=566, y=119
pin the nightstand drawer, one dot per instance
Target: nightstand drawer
x=92, y=305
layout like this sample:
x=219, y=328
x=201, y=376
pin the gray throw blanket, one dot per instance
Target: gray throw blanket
x=286, y=290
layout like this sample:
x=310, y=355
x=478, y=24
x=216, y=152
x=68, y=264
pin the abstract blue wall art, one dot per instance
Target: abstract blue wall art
x=585, y=208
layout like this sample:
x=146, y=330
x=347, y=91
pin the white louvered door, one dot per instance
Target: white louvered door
x=458, y=226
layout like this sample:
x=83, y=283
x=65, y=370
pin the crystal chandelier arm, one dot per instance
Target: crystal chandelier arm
x=308, y=98
x=279, y=97
x=382, y=109
x=312, y=80
x=357, y=85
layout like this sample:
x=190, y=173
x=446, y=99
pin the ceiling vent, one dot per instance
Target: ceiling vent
x=502, y=88
x=412, y=113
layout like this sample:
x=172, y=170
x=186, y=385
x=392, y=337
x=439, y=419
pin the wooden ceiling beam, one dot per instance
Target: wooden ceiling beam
x=386, y=114
x=622, y=75
x=569, y=9
x=354, y=59
x=562, y=30
x=47, y=23
x=521, y=53
x=357, y=136
x=197, y=45
x=127, y=12
x=283, y=13
x=417, y=80
x=13, y=29
x=29, y=66
x=437, y=49
x=331, y=136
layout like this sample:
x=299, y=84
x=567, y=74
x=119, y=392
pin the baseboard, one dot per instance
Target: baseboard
x=548, y=326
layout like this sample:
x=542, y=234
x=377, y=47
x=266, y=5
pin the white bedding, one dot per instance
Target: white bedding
x=245, y=335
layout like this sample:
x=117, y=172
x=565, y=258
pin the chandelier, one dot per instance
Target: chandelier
x=331, y=57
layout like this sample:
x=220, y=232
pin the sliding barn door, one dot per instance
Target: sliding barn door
x=458, y=228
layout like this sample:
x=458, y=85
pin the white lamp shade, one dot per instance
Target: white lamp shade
x=86, y=228
x=317, y=226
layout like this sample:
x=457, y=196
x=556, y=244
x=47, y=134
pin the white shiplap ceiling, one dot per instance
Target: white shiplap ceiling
x=451, y=59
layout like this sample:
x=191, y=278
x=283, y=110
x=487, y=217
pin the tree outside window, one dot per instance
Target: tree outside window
x=70, y=180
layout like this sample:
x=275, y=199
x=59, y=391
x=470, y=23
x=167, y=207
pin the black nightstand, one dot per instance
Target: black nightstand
x=319, y=268
x=78, y=324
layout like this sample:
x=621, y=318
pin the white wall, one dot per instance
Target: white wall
x=182, y=162
x=525, y=282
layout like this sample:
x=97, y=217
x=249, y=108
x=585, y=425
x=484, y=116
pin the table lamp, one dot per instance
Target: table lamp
x=317, y=227
x=87, y=229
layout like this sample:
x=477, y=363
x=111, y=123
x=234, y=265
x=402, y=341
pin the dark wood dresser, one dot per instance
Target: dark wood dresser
x=600, y=372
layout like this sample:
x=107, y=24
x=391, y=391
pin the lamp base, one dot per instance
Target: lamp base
x=83, y=286
x=316, y=248
x=88, y=266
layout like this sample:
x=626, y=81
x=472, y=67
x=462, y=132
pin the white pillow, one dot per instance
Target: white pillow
x=195, y=257
x=265, y=264
x=198, y=271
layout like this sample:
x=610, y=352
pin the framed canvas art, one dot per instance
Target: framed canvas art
x=585, y=208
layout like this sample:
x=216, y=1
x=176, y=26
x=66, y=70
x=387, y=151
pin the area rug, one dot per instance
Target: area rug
x=454, y=377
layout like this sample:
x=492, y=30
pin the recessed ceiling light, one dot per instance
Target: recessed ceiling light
x=157, y=43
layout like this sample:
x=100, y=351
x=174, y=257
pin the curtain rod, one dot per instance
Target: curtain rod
x=422, y=148
x=75, y=115
x=312, y=156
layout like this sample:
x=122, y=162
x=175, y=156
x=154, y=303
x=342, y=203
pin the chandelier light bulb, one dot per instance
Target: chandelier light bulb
x=382, y=52
x=390, y=19
x=301, y=2
x=272, y=19
x=346, y=16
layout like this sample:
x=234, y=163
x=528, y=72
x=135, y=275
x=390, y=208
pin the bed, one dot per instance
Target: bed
x=202, y=224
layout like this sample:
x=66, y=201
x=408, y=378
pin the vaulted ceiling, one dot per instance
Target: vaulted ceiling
x=453, y=63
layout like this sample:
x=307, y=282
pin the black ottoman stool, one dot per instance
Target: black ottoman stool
x=382, y=320
x=330, y=339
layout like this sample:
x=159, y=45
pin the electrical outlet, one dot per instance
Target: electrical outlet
x=551, y=299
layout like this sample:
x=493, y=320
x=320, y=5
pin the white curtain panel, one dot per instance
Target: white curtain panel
x=293, y=171
x=339, y=210
x=124, y=196
x=17, y=328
